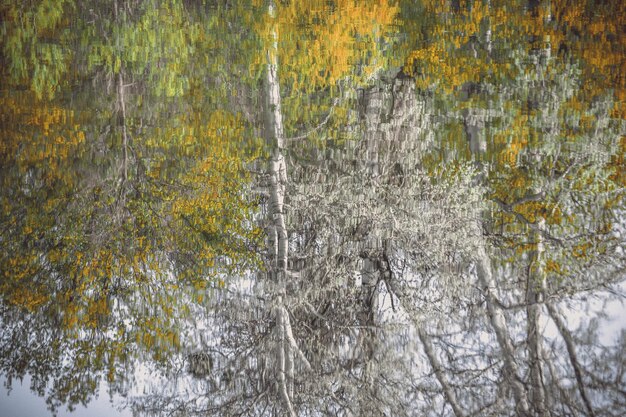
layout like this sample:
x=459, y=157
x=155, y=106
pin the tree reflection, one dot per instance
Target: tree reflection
x=441, y=187
x=113, y=222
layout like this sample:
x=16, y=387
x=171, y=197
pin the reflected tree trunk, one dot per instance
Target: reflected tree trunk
x=440, y=372
x=557, y=318
x=286, y=348
x=474, y=127
x=534, y=295
x=499, y=324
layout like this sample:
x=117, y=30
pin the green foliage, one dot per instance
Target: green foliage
x=155, y=42
x=35, y=43
x=124, y=196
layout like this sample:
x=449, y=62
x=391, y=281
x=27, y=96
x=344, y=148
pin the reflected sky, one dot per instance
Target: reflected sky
x=21, y=402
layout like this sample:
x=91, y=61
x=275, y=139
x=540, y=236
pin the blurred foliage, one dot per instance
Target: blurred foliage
x=124, y=189
x=535, y=88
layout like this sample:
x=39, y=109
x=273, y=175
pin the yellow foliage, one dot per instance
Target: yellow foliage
x=27, y=297
x=581, y=250
x=450, y=58
x=553, y=267
x=47, y=138
x=339, y=38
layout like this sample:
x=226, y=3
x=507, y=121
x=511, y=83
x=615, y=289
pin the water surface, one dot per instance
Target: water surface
x=312, y=208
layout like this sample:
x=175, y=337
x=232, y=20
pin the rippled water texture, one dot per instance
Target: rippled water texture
x=313, y=208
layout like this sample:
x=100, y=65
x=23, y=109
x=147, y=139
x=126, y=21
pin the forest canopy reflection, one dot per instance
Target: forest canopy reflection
x=313, y=208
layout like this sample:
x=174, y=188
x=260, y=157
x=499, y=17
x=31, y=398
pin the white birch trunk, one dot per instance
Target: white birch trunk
x=533, y=313
x=440, y=373
x=286, y=348
x=278, y=170
x=573, y=357
x=499, y=325
x=478, y=145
